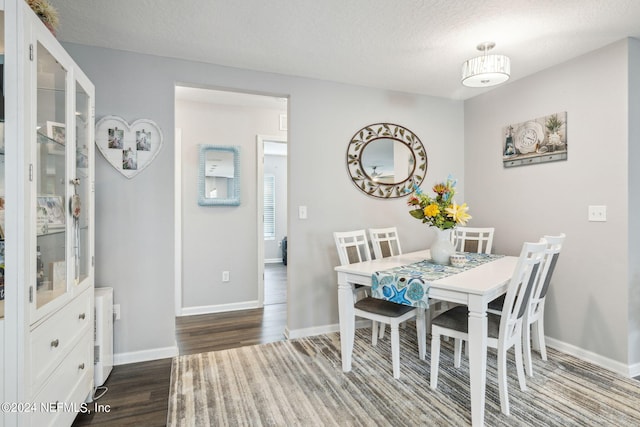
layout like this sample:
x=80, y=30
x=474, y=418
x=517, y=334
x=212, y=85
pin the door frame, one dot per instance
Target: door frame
x=260, y=140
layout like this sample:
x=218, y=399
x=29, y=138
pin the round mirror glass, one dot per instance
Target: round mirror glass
x=386, y=160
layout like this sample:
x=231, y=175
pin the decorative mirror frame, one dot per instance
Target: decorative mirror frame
x=398, y=133
x=234, y=199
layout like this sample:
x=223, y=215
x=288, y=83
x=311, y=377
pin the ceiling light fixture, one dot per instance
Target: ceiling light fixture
x=486, y=70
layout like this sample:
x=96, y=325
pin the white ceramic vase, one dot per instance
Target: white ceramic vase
x=442, y=248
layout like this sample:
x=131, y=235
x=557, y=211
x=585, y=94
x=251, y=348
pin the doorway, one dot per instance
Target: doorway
x=219, y=259
x=272, y=217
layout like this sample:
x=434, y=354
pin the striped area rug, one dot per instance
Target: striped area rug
x=300, y=383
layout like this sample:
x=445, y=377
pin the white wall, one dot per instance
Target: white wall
x=220, y=238
x=134, y=247
x=587, y=305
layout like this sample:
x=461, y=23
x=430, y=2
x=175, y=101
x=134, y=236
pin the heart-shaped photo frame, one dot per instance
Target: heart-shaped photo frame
x=129, y=148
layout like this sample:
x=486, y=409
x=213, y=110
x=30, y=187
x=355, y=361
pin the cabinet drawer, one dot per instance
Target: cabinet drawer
x=52, y=340
x=68, y=387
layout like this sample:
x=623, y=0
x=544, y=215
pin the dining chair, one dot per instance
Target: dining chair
x=534, y=320
x=353, y=247
x=467, y=239
x=385, y=242
x=462, y=237
x=504, y=331
x=535, y=313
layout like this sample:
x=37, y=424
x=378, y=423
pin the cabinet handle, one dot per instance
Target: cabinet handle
x=55, y=343
x=82, y=316
x=81, y=366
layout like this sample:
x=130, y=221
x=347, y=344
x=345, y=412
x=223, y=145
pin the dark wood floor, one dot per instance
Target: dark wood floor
x=138, y=393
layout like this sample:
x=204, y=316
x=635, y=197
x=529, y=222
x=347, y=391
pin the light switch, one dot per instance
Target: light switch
x=302, y=212
x=597, y=213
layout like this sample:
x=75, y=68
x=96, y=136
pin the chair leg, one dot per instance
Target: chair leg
x=502, y=381
x=395, y=350
x=526, y=343
x=519, y=368
x=535, y=340
x=382, y=328
x=374, y=332
x=540, y=333
x=435, y=358
x=457, y=352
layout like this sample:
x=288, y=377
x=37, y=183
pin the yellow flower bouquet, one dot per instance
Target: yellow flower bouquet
x=440, y=211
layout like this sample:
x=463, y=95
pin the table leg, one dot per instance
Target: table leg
x=477, y=358
x=347, y=322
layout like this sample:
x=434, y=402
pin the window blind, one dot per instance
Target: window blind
x=269, y=207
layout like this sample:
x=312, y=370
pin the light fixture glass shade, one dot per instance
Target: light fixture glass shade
x=486, y=70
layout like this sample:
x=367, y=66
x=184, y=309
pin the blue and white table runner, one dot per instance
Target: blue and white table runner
x=409, y=284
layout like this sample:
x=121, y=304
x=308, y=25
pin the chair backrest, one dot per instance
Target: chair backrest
x=385, y=242
x=520, y=288
x=551, y=255
x=482, y=236
x=352, y=246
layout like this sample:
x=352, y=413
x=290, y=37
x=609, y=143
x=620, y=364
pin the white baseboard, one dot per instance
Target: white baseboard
x=623, y=369
x=319, y=330
x=145, y=355
x=628, y=371
x=273, y=261
x=208, y=309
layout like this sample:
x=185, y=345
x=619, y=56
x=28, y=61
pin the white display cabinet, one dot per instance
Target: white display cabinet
x=47, y=187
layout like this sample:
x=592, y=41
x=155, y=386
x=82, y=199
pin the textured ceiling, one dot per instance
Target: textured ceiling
x=406, y=45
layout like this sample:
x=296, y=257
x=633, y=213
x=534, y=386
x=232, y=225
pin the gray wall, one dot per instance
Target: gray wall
x=134, y=218
x=592, y=310
x=588, y=306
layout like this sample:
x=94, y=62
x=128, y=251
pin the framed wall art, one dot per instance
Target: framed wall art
x=129, y=148
x=50, y=212
x=56, y=132
x=535, y=141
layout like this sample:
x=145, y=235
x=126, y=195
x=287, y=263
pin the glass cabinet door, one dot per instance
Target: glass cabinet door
x=81, y=200
x=51, y=180
x=2, y=176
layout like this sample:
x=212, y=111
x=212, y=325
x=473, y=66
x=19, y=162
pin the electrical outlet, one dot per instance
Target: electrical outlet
x=598, y=213
x=225, y=276
x=116, y=312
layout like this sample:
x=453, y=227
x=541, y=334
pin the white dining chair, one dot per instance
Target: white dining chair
x=504, y=331
x=534, y=321
x=385, y=242
x=467, y=239
x=353, y=247
x=462, y=237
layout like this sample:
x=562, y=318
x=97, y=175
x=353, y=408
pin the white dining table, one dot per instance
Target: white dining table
x=474, y=287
